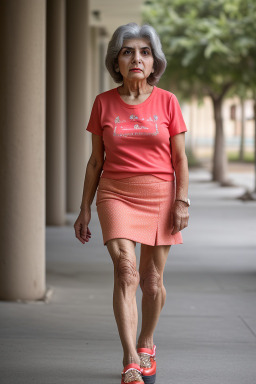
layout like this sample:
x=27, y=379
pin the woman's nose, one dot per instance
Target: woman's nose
x=136, y=57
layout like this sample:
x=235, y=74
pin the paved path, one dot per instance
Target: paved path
x=207, y=330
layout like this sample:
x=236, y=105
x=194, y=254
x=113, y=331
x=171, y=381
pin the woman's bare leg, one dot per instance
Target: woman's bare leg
x=126, y=281
x=152, y=263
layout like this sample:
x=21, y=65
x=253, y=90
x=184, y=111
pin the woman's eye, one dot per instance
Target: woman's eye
x=146, y=52
x=127, y=52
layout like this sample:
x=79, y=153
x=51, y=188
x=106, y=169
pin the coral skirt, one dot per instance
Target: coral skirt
x=137, y=208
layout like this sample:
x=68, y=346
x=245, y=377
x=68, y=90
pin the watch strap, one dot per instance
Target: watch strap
x=184, y=201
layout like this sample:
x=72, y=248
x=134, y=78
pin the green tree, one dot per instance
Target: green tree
x=209, y=47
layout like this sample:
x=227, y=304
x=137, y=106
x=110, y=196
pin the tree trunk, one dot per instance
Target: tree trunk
x=219, y=171
x=241, y=152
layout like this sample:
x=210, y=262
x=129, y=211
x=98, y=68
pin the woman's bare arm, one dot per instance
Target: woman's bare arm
x=180, y=213
x=93, y=171
x=91, y=181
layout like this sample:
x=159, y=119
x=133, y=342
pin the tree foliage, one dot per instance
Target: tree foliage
x=210, y=47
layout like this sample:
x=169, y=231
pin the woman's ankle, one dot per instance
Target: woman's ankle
x=145, y=342
x=131, y=359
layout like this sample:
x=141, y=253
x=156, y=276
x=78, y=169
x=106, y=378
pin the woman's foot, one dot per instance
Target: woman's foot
x=148, y=364
x=132, y=374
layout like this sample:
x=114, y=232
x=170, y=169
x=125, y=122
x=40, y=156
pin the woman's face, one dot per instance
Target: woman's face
x=135, y=60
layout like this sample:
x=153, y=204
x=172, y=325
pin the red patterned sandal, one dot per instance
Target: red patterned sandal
x=132, y=374
x=148, y=364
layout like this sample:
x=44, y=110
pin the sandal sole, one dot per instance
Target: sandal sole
x=149, y=379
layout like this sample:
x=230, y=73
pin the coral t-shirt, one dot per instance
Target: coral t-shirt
x=137, y=137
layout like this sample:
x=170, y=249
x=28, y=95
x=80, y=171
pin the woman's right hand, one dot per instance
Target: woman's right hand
x=82, y=230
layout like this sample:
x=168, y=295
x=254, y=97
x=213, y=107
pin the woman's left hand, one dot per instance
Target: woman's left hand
x=179, y=216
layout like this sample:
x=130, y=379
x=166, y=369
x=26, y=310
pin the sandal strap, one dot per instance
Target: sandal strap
x=131, y=366
x=148, y=351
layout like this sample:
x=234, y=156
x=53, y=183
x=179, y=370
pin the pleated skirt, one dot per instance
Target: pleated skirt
x=137, y=208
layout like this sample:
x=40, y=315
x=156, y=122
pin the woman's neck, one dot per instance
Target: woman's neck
x=135, y=89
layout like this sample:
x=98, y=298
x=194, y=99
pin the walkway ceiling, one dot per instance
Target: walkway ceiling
x=109, y=14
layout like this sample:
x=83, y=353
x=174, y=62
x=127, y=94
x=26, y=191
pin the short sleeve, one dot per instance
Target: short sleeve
x=94, y=124
x=177, y=123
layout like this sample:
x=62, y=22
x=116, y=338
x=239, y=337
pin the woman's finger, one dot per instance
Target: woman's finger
x=86, y=235
x=81, y=232
x=176, y=224
x=78, y=236
x=77, y=231
x=185, y=220
x=180, y=225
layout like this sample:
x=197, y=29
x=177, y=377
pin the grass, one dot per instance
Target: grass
x=234, y=157
x=192, y=159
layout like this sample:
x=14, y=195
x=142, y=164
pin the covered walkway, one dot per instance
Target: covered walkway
x=207, y=330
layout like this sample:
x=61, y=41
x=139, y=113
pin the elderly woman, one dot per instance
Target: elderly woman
x=139, y=168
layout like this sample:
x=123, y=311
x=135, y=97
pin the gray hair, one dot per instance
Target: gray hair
x=134, y=31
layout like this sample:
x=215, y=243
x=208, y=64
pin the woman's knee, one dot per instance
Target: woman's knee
x=126, y=272
x=124, y=260
x=151, y=282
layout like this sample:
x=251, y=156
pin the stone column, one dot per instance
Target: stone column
x=95, y=64
x=55, y=114
x=104, y=75
x=22, y=152
x=78, y=98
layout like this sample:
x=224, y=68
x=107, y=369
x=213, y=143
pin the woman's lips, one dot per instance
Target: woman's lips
x=135, y=70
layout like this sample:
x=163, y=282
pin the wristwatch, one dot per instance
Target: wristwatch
x=186, y=201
